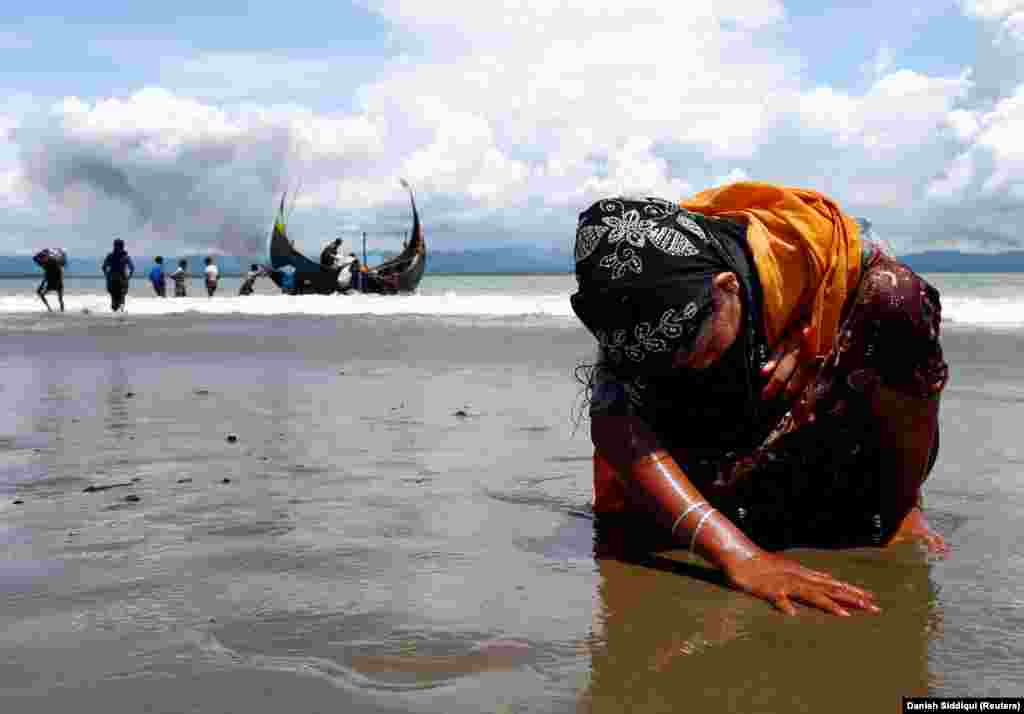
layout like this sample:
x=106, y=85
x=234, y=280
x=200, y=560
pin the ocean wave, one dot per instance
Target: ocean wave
x=1002, y=313
x=446, y=304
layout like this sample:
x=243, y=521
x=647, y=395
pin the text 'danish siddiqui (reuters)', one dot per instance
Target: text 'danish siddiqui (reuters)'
x=963, y=704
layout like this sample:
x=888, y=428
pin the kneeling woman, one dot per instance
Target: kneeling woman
x=766, y=378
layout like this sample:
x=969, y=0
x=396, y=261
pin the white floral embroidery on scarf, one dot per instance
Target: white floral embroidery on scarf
x=587, y=239
x=611, y=345
x=631, y=228
x=690, y=225
x=671, y=241
x=634, y=231
x=619, y=264
x=647, y=338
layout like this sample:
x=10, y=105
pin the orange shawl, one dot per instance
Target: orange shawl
x=807, y=253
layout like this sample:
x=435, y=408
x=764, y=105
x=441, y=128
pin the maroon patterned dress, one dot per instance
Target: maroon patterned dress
x=816, y=478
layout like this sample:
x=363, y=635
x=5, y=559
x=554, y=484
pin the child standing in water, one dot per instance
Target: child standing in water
x=179, y=277
x=211, y=276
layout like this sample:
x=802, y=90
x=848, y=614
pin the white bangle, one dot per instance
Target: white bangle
x=696, y=531
x=685, y=513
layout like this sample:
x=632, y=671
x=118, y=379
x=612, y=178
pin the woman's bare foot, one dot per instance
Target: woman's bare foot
x=915, y=527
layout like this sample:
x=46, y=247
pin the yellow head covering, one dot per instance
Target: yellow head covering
x=807, y=253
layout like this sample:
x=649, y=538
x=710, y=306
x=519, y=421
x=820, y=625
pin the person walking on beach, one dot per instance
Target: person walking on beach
x=247, y=286
x=157, y=277
x=52, y=263
x=180, y=276
x=766, y=378
x=118, y=269
x=212, y=275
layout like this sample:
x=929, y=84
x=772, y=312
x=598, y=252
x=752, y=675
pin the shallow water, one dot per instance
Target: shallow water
x=986, y=300
x=403, y=525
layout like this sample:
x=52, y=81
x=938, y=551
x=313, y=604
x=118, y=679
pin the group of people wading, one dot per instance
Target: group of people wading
x=180, y=277
x=119, y=268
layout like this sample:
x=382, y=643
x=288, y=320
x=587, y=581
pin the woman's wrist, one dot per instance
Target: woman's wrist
x=719, y=541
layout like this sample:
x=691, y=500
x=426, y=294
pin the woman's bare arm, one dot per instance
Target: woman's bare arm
x=651, y=473
x=908, y=427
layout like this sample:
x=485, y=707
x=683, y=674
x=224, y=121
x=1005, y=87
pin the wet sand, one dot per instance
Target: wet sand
x=403, y=525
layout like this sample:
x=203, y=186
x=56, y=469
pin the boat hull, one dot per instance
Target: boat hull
x=401, y=274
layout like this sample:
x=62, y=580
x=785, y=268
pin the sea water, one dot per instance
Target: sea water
x=986, y=300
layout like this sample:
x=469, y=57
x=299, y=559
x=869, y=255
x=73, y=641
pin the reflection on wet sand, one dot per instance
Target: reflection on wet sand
x=490, y=656
x=669, y=636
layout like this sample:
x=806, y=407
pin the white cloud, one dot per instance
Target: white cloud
x=13, y=189
x=153, y=122
x=901, y=109
x=993, y=9
x=633, y=169
x=1009, y=14
x=998, y=143
x=587, y=90
x=514, y=115
x=982, y=188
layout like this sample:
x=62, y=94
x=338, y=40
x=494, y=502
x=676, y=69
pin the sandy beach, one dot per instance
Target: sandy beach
x=402, y=524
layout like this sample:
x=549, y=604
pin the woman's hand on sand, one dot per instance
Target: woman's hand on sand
x=783, y=582
x=791, y=367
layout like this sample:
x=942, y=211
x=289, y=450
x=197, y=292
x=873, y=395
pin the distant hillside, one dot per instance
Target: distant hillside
x=512, y=259
x=951, y=261
x=516, y=259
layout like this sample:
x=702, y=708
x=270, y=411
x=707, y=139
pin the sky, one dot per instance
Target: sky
x=178, y=126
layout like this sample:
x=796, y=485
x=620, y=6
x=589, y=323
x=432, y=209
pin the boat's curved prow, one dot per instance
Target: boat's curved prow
x=280, y=246
x=408, y=266
x=401, y=274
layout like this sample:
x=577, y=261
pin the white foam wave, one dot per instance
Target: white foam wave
x=1004, y=312
x=447, y=304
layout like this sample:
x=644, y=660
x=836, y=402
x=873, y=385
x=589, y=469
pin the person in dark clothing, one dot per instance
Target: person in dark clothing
x=329, y=256
x=358, y=276
x=158, y=278
x=118, y=269
x=53, y=278
x=180, y=276
x=250, y=280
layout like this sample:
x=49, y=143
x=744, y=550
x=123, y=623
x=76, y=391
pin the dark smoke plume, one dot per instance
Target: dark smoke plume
x=213, y=196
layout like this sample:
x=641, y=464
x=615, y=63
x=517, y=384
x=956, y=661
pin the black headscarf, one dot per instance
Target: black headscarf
x=644, y=269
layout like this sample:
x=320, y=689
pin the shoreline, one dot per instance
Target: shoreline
x=402, y=490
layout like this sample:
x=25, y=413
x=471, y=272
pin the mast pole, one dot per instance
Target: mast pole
x=364, y=247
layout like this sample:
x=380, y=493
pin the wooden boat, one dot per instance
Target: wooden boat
x=400, y=274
